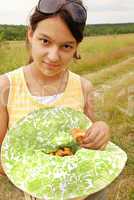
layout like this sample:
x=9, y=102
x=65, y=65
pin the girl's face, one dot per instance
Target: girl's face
x=52, y=46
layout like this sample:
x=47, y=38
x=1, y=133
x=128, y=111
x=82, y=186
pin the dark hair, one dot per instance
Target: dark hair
x=77, y=29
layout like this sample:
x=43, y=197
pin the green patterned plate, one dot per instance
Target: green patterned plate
x=27, y=163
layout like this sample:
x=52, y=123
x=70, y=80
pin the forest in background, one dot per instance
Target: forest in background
x=18, y=32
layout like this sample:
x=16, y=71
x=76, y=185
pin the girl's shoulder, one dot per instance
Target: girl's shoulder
x=5, y=84
x=87, y=86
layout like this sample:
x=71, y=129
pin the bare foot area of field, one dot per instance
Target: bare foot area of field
x=8, y=191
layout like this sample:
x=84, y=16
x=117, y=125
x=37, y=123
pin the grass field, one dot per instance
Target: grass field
x=108, y=61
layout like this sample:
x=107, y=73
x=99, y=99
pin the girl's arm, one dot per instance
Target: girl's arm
x=97, y=136
x=88, y=93
x=4, y=91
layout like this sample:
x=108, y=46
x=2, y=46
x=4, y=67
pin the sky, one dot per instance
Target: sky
x=99, y=11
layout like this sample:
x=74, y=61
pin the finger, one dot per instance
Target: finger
x=94, y=145
x=101, y=141
x=100, y=138
x=90, y=137
x=90, y=146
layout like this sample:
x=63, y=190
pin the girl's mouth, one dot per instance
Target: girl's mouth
x=51, y=65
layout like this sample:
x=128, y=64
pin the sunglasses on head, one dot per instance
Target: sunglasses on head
x=76, y=10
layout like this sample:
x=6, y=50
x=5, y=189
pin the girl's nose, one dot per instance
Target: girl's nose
x=53, y=54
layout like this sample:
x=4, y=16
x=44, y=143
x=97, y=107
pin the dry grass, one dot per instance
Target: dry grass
x=115, y=104
x=111, y=73
x=12, y=55
x=8, y=191
x=100, y=52
x=121, y=190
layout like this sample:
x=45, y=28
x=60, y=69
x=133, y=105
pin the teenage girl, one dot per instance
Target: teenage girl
x=54, y=34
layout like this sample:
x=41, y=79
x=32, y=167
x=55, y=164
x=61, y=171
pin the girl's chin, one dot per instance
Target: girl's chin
x=48, y=72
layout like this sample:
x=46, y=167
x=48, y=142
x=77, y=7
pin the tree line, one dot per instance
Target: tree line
x=18, y=32
x=12, y=32
x=109, y=29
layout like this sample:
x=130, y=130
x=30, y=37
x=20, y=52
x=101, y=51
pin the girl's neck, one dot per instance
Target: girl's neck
x=43, y=85
x=39, y=76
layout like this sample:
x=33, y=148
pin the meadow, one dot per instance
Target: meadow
x=108, y=61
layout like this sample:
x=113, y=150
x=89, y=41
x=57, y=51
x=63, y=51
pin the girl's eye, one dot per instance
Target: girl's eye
x=66, y=46
x=44, y=41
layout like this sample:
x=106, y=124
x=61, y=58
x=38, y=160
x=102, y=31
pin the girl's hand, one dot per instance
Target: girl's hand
x=97, y=136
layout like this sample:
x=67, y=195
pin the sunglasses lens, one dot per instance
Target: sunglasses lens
x=78, y=13
x=49, y=6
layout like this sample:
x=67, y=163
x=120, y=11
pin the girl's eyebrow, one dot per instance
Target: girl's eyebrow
x=46, y=36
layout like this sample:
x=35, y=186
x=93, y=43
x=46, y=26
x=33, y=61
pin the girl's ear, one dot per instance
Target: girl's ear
x=76, y=55
x=29, y=34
